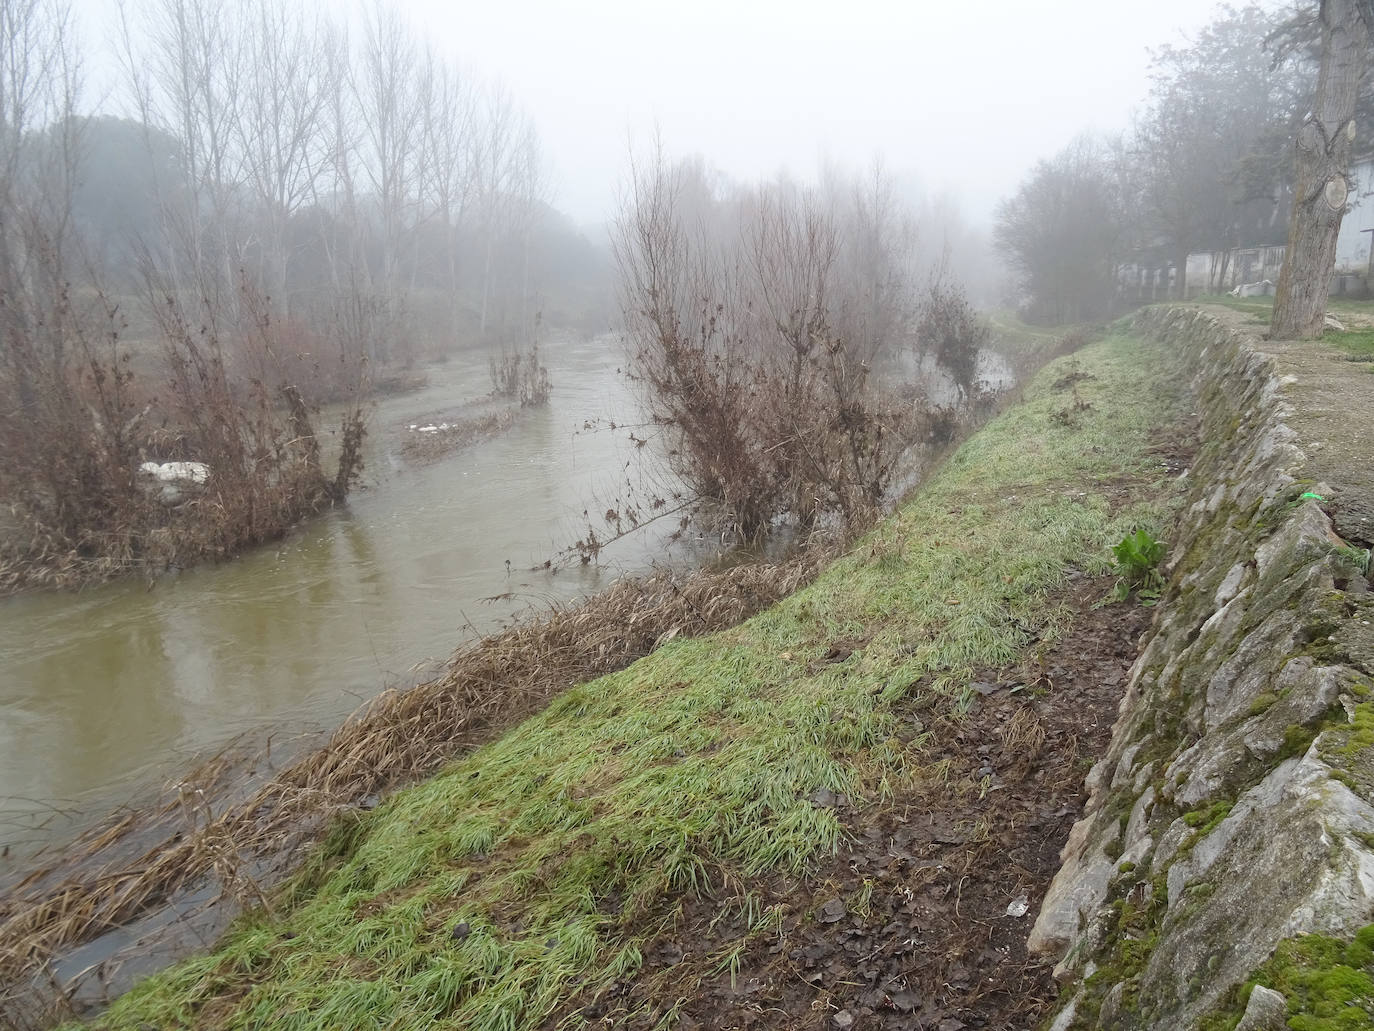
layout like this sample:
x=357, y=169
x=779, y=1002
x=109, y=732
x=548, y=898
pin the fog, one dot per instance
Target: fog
x=958, y=98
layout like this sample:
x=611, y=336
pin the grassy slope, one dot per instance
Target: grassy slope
x=556, y=851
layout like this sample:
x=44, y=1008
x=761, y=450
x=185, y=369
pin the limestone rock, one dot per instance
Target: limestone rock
x=1242, y=665
x=1267, y=1010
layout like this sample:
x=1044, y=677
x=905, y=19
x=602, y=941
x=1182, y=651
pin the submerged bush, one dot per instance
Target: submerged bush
x=760, y=324
x=520, y=376
x=77, y=431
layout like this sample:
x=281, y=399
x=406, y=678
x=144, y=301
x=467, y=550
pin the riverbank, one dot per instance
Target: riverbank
x=275, y=649
x=111, y=692
x=554, y=864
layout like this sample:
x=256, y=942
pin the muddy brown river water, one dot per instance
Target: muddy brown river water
x=107, y=694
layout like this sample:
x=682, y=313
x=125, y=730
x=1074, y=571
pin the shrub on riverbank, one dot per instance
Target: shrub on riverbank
x=76, y=428
x=765, y=328
x=539, y=866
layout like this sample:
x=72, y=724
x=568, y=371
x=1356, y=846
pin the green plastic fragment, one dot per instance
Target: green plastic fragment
x=1307, y=495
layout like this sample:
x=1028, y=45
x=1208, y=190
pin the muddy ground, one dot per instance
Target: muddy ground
x=914, y=924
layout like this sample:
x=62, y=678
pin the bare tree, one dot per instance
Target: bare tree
x=336, y=188
x=280, y=128
x=449, y=128
x=389, y=86
x=510, y=284
x=39, y=142
x=1323, y=171
x=879, y=264
x=379, y=158
x=1062, y=233
x=756, y=318
x=184, y=62
x=498, y=141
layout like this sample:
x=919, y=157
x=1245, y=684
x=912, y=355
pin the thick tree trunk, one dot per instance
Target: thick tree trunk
x=1323, y=180
x=1181, y=275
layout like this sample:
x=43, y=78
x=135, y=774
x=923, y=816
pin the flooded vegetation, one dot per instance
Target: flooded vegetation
x=128, y=681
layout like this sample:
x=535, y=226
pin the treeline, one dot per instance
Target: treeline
x=268, y=140
x=1208, y=165
x=291, y=210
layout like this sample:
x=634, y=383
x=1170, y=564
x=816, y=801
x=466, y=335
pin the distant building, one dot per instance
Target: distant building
x=1357, y=228
x=1152, y=277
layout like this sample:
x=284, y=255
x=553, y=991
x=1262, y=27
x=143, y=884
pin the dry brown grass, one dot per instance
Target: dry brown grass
x=461, y=433
x=400, y=737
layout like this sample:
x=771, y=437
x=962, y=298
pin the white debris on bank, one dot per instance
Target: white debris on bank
x=173, y=472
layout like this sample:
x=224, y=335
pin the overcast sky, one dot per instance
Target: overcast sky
x=960, y=96
x=964, y=95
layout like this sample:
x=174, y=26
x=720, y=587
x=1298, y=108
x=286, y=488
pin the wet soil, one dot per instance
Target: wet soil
x=920, y=921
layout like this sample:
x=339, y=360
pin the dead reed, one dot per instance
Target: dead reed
x=420, y=447
x=400, y=737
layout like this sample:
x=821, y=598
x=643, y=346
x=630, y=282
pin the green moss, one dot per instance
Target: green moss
x=1365, y=838
x=1203, y=820
x=1200, y=891
x=1329, y=984
x=1296, y=740
x=1360, y=952
x=1344, y=778
x=1358, y=733
x=1113, y=848
x=1262, y=702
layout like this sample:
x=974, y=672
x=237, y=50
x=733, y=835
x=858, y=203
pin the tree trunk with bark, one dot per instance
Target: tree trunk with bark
x=1323, y=174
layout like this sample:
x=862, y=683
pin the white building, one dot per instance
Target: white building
x=1220, y=271
x=1357, y=228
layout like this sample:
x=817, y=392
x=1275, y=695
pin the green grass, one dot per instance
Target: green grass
x=1357, y=343
x=565, y=844
x=1257, y=306
x=1329, y=984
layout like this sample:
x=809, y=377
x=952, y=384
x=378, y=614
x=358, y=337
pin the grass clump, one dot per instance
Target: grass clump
x=1138, y=556
x=1205, y=820
x=540, y=865
x=1358, y=344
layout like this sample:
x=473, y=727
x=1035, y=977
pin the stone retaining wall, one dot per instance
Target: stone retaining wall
x=1231, y=811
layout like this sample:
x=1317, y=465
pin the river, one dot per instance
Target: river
x=107, y=693
x=110, y=693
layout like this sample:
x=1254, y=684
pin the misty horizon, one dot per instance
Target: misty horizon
x=957, y=105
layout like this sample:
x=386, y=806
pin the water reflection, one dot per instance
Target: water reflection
x=108, y=692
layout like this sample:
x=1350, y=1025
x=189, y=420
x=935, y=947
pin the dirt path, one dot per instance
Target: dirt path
x=1333, y=418
x=909, y=926
x=1335, y=423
